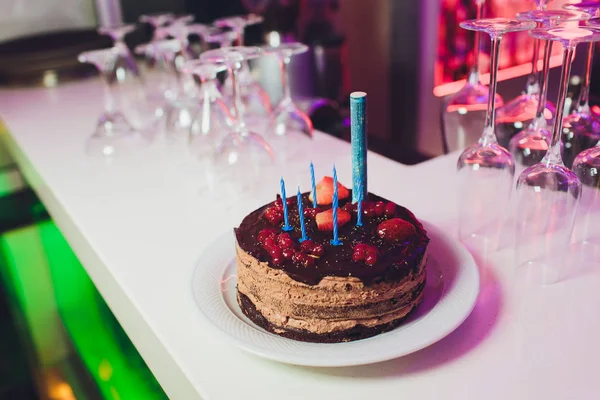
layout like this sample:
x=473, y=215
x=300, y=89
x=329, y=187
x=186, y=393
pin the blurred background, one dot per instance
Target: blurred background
x=58, y=339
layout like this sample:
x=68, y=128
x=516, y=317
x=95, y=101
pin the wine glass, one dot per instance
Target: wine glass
x=486, y=169
x=287, y=117
x=241, y=155
x=531, y=144
x=581, y=128
x=115, y=135
x=255, y=99
x=463, y=113
x=213, y=120
x=517, y=114
x=125, y=65
x=548, y=193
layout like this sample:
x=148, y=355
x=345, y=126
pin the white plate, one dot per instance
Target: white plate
x=450, y=295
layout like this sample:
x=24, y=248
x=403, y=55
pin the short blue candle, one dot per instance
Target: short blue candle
x=359, y=211
x=335, y=241
x=286, y=225
x=358, y=139
x=301, y=213
x=314, y=186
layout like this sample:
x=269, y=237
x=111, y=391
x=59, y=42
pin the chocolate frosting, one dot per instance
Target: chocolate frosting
x=395, y=260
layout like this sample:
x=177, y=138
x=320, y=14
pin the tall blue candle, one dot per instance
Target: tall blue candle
x=359, y=211
x=358, y=133
x=314, y=186
x=301, y=213
x=286, y=225
x=335, y=241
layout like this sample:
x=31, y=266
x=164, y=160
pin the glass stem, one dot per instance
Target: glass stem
x=237, y=100
x=553, y=154
x=240, y=36
x=285, y=85
x=488, y=132
x=532, y=80
x=539, y=115
x=584, y=100
x=473, y=78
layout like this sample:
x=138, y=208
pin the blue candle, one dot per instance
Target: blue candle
x=358, y=137
x=335, y=241
x=301, y=213
x=359, y=211
x=314, y=186
x=286, y=225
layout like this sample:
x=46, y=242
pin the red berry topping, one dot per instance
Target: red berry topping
x=269, y=243
x=285, y=241
x=318, y=250
x=278, y=204
x=273, y=215
x=325, y=191
x=277, y=261
x=368, y=209
x=299, y=257
x=349, y=207
x=325, y=219
x=266, y=233
x=390, y=210
x=358, y=256
x=307, y=246
x=311, y=212
x=287, y=253
x=395, y=229
x=379, y=208
x=371, y=259
x=275, y=252
x=308, y=262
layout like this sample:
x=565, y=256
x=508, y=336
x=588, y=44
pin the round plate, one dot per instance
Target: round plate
x=450, y=295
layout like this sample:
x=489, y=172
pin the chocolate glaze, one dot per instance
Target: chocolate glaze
x=395, y=261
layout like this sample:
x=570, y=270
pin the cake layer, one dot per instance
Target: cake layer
x=336, y=303
x=357, y=332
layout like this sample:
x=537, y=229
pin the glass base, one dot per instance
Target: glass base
x=115, y=137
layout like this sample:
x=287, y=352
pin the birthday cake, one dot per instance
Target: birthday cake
x=295, y=283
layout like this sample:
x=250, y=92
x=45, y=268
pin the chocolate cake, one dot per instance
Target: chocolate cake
x=317, y=292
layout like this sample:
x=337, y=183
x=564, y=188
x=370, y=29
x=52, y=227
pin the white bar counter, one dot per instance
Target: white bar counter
x=139, y=225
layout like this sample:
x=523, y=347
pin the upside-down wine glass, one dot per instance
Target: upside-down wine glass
x=241, y=155
x=125, y=65
x=463, y=113
x=165, y=79
x=548, y=193
x=255, y=99
x=287, y=117
x=114, y=135
x=531, y=144
x=581, y=128
x=213, y=120
x=587, y=223
x=515, y=115
x=486, y=169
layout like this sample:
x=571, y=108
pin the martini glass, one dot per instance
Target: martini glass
x=548, y=193
x=213, y=120
x=287, y=117
x=486, y=169
x=115, y=135
x=531, y=144
x=581, y=128
x=518, y=113
x=157, y=20
x=255, y=99
x=463, y=113
x=241, y=155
